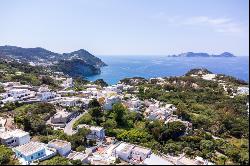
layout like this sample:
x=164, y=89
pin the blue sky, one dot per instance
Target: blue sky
x=127, y=27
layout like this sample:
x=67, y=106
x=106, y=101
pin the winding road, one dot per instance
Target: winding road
x=69, y=126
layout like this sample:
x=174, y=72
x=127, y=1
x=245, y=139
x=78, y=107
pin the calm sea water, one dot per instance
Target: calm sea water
x=120, y=67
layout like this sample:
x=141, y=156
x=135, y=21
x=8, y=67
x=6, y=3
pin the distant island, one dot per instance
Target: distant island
x=77, y=63
x=192, y=54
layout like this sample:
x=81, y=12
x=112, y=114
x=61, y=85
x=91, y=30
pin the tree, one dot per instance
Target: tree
x=85, y=119
x=33, y=117
x=80, y=148
x=57, y=160
x=2, y=89
x=94, y=103
x=5, y=155
x=109, y=124
x=78, y=139
x=172, y=148
x=119, y=112
x=101, y=82
x=10, y=106
x=155, y=128
x=182, y=111
x=207, y=145
x=47, y=80
x=173, y=130
x=76, y=162
x=135, y=136
x=97, y=114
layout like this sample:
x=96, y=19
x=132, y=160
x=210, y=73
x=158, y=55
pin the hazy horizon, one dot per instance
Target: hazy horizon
x=127, y=28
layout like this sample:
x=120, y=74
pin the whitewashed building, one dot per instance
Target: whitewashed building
x=68, y=83
x=61, y=117
x=96, y=133
x=45, y=94
x=154, y=159
x=133, y=104
x=31, y=151
x=243, y=91
x=62, y=147
x=19, y=93
x=123, y=151
x=110, y=101
x=15, y=137
x=140, y=153
x=70, y=101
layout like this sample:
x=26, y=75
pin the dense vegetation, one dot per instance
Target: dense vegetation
x=76, y=68
x=57, y=160
x=79, y=84
x=77, y=140
x=33, y=117
x=100, y=82
x=220, y=123
x=211, y=111
x=131, y=126
x=25, y=74
x=203, y=105
x=6, y=156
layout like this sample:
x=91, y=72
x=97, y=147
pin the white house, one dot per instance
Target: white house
x=9, y=99
x=33, y=151
x=109, y=101
x=66, y=92
x=134, y=104
x=92, y=86
x=123, y=151
x=2, y=124
x=7, y=85
x=112, y=88
x=18, y=93
x=159, y=111
x=70, y=101
x=95, y=131
x=15, y=137
x=62, y=147
x=67, y=83
x=243, y=91
x=44, y=94
x=78, y=156
x=154, y=159
x=61, y=117
x=140, y=153
x=93, y=91
x=85, y=94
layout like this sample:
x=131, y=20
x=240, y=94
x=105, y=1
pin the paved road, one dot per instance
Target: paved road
x=69, y=126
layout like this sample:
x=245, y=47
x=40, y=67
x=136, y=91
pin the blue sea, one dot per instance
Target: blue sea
x=120, y=67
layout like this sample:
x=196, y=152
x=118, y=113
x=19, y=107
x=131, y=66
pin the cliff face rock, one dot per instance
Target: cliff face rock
x=76, y=68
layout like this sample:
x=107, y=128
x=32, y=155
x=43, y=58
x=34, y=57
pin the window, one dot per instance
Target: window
x=31, y=157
